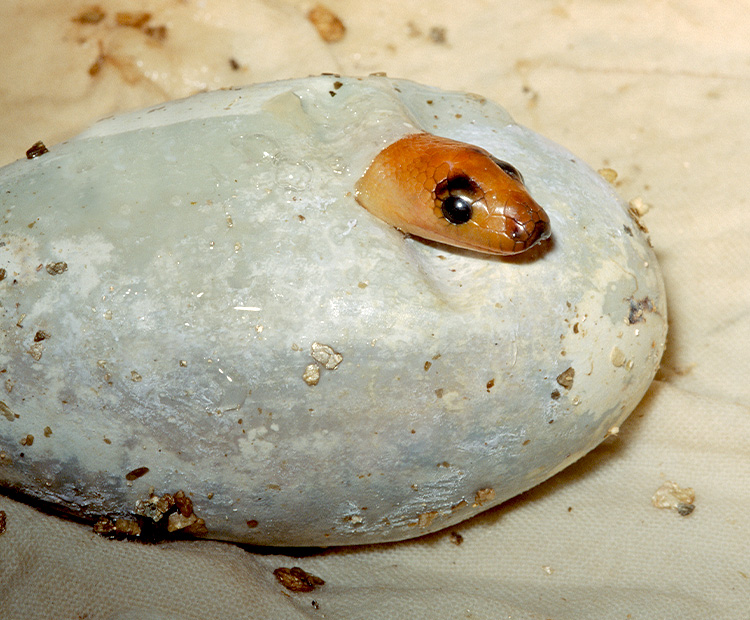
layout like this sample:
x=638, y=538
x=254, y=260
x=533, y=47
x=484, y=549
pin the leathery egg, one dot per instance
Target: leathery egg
x=205, y=331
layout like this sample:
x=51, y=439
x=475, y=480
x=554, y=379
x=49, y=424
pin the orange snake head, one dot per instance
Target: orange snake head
x=454, y=193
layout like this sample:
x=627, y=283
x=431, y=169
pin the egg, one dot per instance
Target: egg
x=203, y=331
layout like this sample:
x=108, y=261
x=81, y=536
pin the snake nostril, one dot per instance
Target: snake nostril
x=520, y=232
x=531, y=232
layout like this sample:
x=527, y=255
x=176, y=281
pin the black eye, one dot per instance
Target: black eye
x=454, y=196
x=456, y=209
x=511, y=171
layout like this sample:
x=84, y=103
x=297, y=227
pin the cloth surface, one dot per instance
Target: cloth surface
x=657, y=92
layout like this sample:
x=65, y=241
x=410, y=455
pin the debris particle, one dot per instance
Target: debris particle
x=5, y=410
x=460, y=506
x=425, y=519
x=157, y=33
x=330, y=28
x=128, y=527
x=490, y=384
x=47, y=431
x=482, y=496
x=437, y=34
x=36, y=350
x=608, y=174
x=354, y=519
x=613, y=431
x=671, y=496
x=427, y=366
x=40, y=335
x=132, y=20
x=414, y=30
x=685, y=509
x=189, y=522
x=136, y=473
x=3, y=522
x=617, y=357
x=9, y=385
x=456, y=538
x=3, y=273
x=135, y=377
x=55, y=269
x=311, y=375
x=234, y=65
x=104, y=527
x=252, y=524
x=28, y=440
x=637, y=208
x=565, y=378
x=91, y=15
x=97, y=65
x=36, y=150
x=155, y=507
x=192, y=525
x=555, y=395
x=184, y=503
x=325, y=355
x=637, y=309
x=149, y=518
x=297, y=580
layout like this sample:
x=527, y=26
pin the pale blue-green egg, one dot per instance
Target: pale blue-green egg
x=196, y=310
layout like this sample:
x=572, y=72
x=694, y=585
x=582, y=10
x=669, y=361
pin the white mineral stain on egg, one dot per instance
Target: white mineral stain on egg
x=212, y=244
x=253, y=448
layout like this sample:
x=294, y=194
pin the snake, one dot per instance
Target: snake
x=454, y=193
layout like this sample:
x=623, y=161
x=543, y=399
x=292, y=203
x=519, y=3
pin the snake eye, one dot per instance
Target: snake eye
x=455, y=196
x=511, y=171
x=456, y=209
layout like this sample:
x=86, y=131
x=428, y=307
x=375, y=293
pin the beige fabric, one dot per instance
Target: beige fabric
x=657, y=91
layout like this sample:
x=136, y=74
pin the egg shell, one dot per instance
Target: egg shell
x=193, y=300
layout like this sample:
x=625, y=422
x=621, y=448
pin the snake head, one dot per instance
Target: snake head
x=453, y=193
